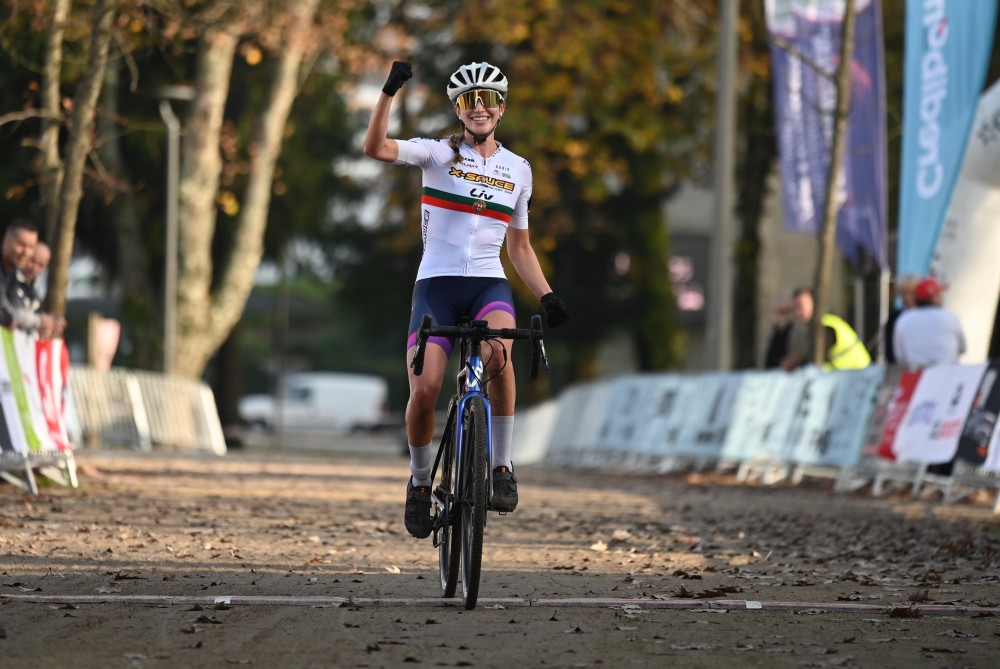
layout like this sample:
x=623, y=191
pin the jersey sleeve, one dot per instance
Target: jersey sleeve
x=519, y=219
x=422, y=152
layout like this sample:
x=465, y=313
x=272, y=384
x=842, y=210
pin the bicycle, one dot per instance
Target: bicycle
x=463, y=464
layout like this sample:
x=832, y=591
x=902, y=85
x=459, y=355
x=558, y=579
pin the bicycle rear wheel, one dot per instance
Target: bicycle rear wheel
x=473, y=489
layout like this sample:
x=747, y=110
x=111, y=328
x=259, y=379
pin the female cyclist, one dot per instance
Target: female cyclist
x=475, y=194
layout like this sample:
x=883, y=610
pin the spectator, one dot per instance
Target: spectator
x=799, y=351
x=904, y=300
x=39, y=261
x=928, y=334
x=19, y=240
x=781, y=325
x=844, y=348
x=17, y=303
x=34, y=269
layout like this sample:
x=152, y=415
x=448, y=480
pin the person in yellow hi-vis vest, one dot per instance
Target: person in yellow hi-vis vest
x=847, y=351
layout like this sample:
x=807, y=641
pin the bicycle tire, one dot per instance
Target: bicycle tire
x=473, y=503
x=450, y=535
x=451, y=557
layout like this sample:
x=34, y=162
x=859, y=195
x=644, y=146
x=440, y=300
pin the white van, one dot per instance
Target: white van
x=320, y=402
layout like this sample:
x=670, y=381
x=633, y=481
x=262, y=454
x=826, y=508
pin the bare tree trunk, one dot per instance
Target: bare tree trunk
x=79, y=145
x=208, y=322
x=52, y=168
x=201, y=166
x=828, y=236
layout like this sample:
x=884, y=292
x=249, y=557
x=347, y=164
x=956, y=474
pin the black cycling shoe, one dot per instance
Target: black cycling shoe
x=417, y=517
x=504, y=490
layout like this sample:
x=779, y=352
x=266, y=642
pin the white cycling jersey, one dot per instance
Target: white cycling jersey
x=467, y=206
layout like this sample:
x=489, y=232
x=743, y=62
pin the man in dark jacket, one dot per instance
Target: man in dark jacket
x=18, y=308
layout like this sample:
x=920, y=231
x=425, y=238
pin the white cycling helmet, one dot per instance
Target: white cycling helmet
x=477, y=75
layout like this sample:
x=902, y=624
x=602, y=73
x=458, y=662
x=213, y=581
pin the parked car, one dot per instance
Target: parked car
x=333, y=402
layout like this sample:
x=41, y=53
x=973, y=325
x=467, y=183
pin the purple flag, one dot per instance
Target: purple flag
x=805, y=49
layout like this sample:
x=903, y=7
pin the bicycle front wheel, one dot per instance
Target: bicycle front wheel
x=450, y=553
x=450, y=534
x=473, y=489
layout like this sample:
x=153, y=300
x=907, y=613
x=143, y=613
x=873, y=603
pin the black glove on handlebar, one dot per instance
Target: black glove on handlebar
x=556, y=311
x=400, y=72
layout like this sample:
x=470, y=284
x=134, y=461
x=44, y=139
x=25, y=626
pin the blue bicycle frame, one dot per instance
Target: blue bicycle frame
x=471, y=384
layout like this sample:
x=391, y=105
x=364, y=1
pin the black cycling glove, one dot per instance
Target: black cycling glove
x=400, y=72
x=556, y=311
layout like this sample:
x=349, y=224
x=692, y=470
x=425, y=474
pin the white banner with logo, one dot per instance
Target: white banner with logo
x=12, y=436
x=578, y=421
x=24, y=345
x=629, y=411
x=850, y=415
x=672, y=402
x=707, y=414
x=805, y=441
x=936, y=414
x=32, y=387
x=756, y=413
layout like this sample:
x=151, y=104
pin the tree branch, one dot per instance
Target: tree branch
x=16, y=117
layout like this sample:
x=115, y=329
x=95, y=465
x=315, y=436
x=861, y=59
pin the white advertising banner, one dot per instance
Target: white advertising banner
x=850, y=415
x=24, y=345
x=16, y=400
x=12, y=437
x=628, y=411
x=807, y=434
x=706, y=417
x=758, y=405
x=777, y=440
x=52, y=363
x=674, y=400
x=965, y=257
x=581, y=410
x=930, y=430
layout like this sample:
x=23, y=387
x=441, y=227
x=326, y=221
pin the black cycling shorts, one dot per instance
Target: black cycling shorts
x=448, y=298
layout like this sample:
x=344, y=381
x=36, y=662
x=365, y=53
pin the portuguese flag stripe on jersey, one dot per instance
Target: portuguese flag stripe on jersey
x=470, y=205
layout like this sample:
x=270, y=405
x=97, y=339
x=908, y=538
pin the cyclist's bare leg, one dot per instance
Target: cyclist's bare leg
x=424, y=391
x=502, y=396
x=502, y=388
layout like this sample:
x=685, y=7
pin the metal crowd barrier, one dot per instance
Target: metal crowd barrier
x=142, y=410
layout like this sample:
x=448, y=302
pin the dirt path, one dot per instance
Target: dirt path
x=160, y=561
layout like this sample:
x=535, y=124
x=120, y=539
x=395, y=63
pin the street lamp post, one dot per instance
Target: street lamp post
x=721, y=325
x=166, y=94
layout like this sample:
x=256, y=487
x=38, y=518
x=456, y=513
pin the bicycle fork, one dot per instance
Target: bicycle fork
x=470, y=384
x=473, y=376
